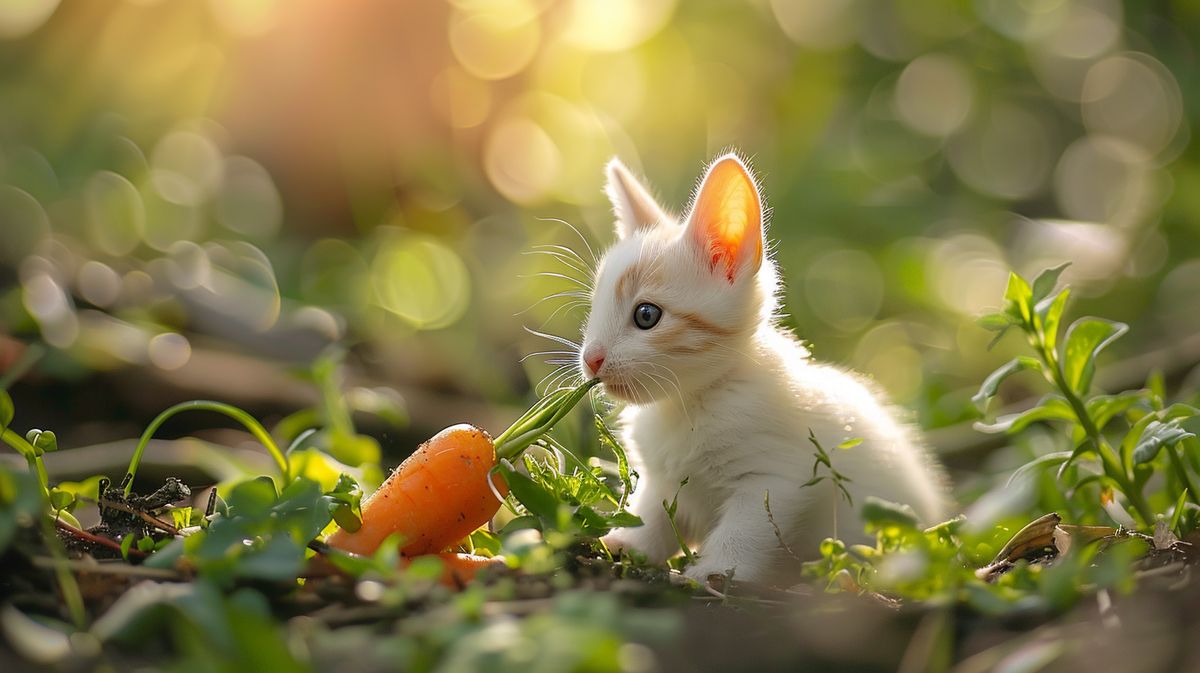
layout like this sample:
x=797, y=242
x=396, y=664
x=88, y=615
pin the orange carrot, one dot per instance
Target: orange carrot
x=434, y=499
x=460, y=569
x=440, y=494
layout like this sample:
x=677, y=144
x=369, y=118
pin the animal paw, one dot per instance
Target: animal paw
x=715, y=572
x=620, y=540
x=702, y=572
x=641, y=541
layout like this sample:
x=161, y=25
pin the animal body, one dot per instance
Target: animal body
x=684, y=329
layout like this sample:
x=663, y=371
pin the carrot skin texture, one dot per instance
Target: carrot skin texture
x=434, y=499
x=458, y=570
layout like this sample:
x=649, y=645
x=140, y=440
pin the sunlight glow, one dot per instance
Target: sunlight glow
x=615, y=25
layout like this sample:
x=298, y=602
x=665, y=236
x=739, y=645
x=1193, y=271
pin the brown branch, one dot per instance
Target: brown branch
x=95, y=539
x=152, y=520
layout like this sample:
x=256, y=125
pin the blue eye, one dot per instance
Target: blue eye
x=646, y=315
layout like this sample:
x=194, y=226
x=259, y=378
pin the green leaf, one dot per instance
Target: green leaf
x=1048, y=314
x=671, y=508
x=523, y=522
x=992, y=383
x=1179, y=410
x=126, y=545
x=353, y=449
x=1156, y=436
x=181, y=517
x=345, y=517
x=1104, y=408
x=1019, y=296
x=1085, y=339
x=60, y=499
x=1044, y=284
x=535, y=498
x=624, y=519
x=278, y=558
x=6, y=410
x=1135, y=432
x=850, y=443
x=253, y=498
x=43, y=441
x=1051, y=408
x=880, y=513
x=623, y=472
x=1157, y=386
x=345, y=503
x=1038, y=463
x=995, y=322
x=1177, y=513
x=87, y=489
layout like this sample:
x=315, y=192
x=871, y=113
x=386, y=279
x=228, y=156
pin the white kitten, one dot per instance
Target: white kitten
x=683, y=328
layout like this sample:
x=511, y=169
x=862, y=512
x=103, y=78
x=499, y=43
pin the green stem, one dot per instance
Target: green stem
x=683, y=545
x=66, y=581
x=1181, y=471
x=1112, y=464
x=539, y=420
x=260, y=433
x=31, y=456
x=62, y=573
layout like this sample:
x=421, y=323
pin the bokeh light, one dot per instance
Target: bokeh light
x=819, y=25
x=614, y=25
x=186, y=167
x=495, y=40
x=21, y=17
x=933, y=95
x=422, y=281
x=115, y=214
x=25, y=223
x=268, y=177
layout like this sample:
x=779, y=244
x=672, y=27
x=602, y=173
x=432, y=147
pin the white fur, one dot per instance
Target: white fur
x=735, y=418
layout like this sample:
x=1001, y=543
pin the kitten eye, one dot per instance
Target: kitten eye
x=646, y=315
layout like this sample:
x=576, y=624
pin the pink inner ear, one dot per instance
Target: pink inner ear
x=727, y=218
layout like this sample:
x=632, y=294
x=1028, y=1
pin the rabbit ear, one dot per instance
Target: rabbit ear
x=726, y=220
x=636, y=210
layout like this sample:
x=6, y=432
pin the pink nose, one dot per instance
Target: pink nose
x=594, y=358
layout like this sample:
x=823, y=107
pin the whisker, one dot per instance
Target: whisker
x=550, y=378
x=562, y=276
x=566, y=251
x=578, y=233
x=552, y=372
x=577, y=294
x=537, y=353
x=566, y=261
x=555, y=338
x=568, y=307
x=675, y=385
x=564, y=379
x=649, y=395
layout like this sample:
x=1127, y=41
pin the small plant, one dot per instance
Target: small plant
x=836, y=479
x=671, y=508
x=1152, y=438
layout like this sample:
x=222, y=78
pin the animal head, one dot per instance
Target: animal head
x=674, y=302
